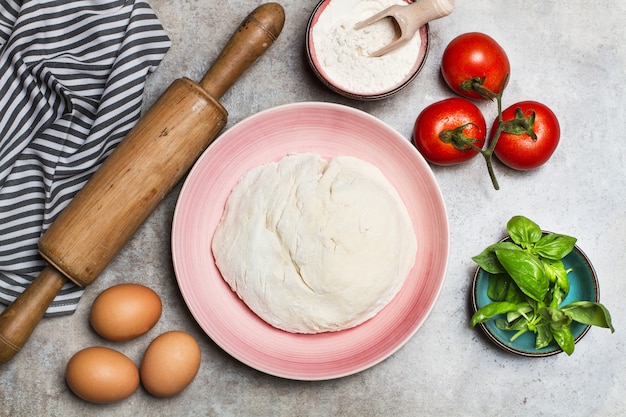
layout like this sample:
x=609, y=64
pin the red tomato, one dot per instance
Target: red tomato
x=443, y=131
x=530, y=137
x=475, y=58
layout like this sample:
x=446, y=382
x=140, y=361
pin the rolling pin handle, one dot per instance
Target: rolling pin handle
x=18, y=321
x=257, y=33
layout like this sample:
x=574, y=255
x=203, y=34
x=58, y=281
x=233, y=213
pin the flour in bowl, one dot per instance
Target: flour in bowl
x=312, y=245
x=343, y=53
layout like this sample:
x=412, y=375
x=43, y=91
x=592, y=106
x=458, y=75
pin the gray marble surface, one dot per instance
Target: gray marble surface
x=568, y=54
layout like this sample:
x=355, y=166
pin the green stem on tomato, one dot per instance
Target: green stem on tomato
x=457, y=138
x=488, y=152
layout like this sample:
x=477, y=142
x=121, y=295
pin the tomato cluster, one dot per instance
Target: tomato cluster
x=523, y=136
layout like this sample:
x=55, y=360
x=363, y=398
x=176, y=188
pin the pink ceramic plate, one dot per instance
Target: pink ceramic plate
x=328, y=130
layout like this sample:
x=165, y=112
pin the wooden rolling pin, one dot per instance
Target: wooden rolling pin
x=134, y=179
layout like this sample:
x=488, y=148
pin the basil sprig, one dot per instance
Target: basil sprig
x=528, y=283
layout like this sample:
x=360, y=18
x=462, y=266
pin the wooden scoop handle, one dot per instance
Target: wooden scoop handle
x=133, y=180
x=424, y=11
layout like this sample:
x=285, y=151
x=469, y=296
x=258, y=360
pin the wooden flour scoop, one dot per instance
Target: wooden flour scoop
x=134, y=179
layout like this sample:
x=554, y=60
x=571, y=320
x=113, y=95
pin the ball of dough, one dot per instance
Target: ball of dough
x=312, y=245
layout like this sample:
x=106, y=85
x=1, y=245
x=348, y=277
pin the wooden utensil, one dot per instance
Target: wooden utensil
x=134, y=179
x=408, y=19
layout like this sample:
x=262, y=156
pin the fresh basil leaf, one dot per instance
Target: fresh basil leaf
x=515, y=295
x=543, y=335
x=499, y=286
x=516, y=325
x=491, y=310
x=522, y=311
x=587, y=312
x=549, y=270
x=559, y=323
x=523, y=231
x=557, y=318
x=502, y=324
x=556, y=297
x=527, y=272
x=557, y=273
x=554, y=246
x=564, y=338
x=487, y=259
x=562, y=280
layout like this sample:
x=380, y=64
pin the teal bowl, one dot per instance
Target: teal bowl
x=583, y=287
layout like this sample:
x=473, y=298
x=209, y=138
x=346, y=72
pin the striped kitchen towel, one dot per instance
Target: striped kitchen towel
x=72, y=75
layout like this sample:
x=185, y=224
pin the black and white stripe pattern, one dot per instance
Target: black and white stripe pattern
x=72, y=75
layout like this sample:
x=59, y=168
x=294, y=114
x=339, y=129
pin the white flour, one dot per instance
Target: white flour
x=343, y=53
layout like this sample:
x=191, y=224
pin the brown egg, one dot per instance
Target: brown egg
x=170, y=363
x=101, y=375
x=125, y=311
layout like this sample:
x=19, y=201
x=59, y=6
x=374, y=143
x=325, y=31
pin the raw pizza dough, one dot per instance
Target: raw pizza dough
x=312, y=245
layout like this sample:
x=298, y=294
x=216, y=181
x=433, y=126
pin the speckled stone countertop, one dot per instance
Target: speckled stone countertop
x=568, y=54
